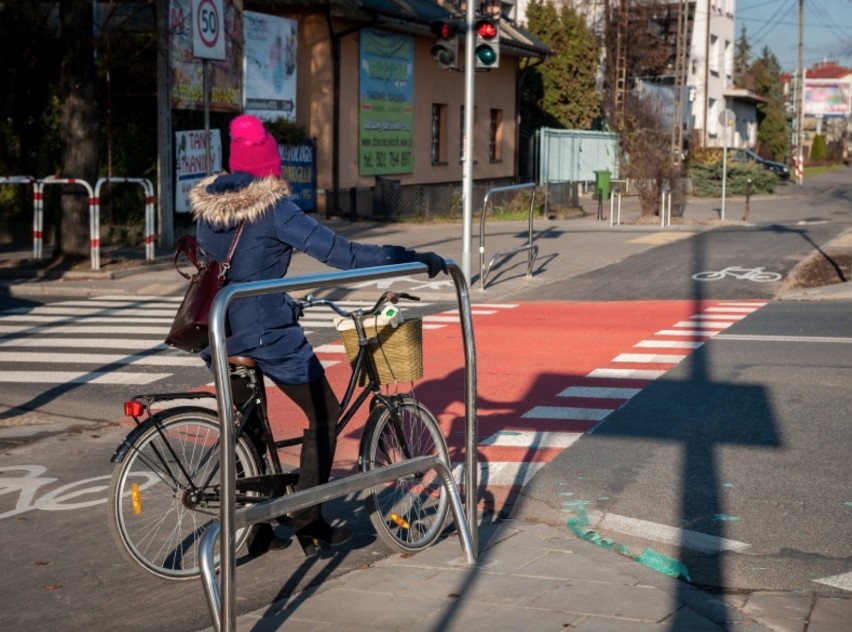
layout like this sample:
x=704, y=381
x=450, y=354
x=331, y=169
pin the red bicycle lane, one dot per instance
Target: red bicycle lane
x=546, y=373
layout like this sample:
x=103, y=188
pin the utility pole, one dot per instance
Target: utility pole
x=800, y=98
x=620, y=63
x=681, y=55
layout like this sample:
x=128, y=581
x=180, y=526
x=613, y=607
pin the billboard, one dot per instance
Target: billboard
x=826, y=98
x=270, y=65
x=187, y=70
x=386, y=103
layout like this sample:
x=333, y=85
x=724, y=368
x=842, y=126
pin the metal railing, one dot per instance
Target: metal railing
x=270, y=510
x=225, y=610
x=529, y=246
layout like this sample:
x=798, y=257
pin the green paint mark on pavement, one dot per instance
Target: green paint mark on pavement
x=663, y=563
x=720, y=517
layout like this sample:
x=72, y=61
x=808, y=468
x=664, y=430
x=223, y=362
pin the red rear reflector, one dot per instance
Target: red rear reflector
x=133, y=408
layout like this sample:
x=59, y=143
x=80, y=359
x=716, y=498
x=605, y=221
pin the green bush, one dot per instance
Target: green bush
x=818, y=149
x=707, y=179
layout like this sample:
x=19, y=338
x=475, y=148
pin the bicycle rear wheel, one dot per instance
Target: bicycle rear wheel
x=409, y=513
x=165, y=493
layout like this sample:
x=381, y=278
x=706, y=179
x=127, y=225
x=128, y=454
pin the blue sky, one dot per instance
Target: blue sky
x=775, y=23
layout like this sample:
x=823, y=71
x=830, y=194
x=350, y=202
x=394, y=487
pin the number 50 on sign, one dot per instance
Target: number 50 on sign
x=208, y=29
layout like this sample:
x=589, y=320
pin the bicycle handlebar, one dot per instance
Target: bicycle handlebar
x=388, y=296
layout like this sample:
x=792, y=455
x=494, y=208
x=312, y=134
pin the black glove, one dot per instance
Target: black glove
x=434, y=262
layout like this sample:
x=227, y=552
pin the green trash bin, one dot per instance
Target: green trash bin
x=602, y=183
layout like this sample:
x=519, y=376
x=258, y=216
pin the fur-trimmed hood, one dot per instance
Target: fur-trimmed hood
x=230, y=198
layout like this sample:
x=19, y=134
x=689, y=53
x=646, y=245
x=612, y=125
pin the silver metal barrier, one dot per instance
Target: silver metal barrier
x=264, y=512
x=529, y=246
x=226, y=610
x=666, y=206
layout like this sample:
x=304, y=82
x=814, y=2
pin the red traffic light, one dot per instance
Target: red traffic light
x=486, y=29
x=444, y=30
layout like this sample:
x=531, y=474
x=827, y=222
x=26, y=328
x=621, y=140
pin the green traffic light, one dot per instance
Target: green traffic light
x=486, y=54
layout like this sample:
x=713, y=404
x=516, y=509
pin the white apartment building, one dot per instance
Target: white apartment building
x=710, y=69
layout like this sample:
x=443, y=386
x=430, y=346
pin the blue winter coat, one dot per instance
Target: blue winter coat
x=266, y=327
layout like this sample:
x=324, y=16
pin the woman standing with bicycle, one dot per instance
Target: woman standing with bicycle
x=265, y=328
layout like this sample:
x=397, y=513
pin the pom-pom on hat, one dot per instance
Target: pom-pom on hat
x=253, y=149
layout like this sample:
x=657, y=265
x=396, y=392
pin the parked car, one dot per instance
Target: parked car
x=778, y=168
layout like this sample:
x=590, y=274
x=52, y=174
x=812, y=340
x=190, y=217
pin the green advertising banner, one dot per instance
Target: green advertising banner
x=386, y=94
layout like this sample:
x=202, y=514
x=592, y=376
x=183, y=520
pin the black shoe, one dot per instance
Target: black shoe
x=265, y=540
x=319, y=534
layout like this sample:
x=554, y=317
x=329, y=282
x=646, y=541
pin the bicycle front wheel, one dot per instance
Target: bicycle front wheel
x=165, y=493
x=408, y=513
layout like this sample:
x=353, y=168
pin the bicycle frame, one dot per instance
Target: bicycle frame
x=274, y=483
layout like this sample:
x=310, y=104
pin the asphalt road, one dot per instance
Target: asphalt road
x=744, y=442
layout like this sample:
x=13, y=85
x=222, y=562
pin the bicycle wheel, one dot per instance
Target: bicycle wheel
x=164, y=494
x=408, y=513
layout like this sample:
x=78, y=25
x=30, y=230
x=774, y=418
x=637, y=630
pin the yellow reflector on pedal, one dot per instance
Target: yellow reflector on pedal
x=136, y=498
x=399, y=521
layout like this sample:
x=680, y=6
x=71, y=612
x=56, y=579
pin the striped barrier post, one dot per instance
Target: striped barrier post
x=150, y=233
x=37, y=221
x=94, y=220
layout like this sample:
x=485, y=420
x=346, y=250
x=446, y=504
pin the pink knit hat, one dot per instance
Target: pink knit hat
x=253, y=149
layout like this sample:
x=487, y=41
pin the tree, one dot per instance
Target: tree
x=742, y=58
x=772, y=132
x=561, y=92
x=79, y=127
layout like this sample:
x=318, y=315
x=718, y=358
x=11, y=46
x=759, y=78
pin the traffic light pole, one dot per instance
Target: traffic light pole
x=467, y=174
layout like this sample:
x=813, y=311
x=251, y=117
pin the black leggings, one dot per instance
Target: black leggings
x=319, y=403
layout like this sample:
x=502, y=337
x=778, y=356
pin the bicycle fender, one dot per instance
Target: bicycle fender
x=131, y=438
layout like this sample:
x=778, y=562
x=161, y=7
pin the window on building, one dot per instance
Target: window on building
x=715, y=56
x=712, y=117
x=439, y=133
x=495, y=136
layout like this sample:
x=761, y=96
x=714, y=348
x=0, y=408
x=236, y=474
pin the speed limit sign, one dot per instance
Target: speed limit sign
x=208, y=29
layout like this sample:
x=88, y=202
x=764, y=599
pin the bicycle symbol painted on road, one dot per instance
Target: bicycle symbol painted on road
x=758, y=275
x=26, y=480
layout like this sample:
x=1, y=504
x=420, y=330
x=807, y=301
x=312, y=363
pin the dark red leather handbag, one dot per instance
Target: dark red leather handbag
x=189, y=330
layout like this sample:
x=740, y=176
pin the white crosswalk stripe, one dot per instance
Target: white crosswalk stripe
x=119, y=339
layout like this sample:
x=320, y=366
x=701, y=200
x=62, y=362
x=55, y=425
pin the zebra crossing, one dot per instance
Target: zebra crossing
x=119, y=339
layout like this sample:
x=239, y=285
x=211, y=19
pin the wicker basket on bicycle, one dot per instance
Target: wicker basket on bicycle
x=397, y=351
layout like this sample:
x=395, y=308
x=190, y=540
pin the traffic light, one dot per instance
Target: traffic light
x=446, y=49
x=487, y=49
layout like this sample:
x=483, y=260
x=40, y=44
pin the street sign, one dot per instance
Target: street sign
x=727, y=118
x=208, y=29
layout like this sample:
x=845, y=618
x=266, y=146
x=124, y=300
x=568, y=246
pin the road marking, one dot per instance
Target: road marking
x=101, y=359
x=87, y=343
x=601, y=392
x=502, y=473
x=843, y=581
x=668, y=344
x=699, y=325
x=657, y=532
x=84, y=329
x=85, y=312
x=27, y=318
x=719, y=317
x=80, y=377
x=635, y=374
x=649, y=358
x=759, y=338
x=660, y=238
x=527, y=439
x=567, y=412
x=733, y=309
x=685, y=332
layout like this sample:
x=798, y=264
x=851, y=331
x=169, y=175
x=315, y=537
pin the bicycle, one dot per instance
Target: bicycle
x=164, y=490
